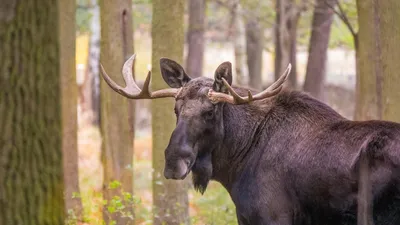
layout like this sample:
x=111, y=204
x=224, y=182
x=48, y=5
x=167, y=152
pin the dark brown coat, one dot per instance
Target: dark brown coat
x=287, y=160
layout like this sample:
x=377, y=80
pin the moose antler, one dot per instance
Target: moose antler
x=132, y=90
x=236, y=99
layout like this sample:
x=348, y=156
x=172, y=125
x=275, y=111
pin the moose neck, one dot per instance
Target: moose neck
x=288, y=116
x=242, y=127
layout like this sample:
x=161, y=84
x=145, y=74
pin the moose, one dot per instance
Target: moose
x=284, y=157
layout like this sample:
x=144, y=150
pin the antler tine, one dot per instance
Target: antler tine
x=281, y=79
x=271, y=90
x=109, y=81
x=131, y=87
x=236, y=99
x=132, y=90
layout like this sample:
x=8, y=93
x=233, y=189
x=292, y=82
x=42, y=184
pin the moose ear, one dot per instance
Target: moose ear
x=173, y=73
x=223, y=71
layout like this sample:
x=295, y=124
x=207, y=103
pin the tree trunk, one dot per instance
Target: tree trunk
x=116, y=112
x=91, y=86
x=318, y=48
x=367, y=93
x=242, y=73
x=170, y=199
x=31, y=146
x=388, y=14
x=378, y=51
x=292, y=27
x=69, y=94
x=377, y=54
x=282, y=42
x=254, y=48
x=287, y=17
x=194, y=61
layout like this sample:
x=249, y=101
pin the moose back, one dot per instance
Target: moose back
x=284, y=157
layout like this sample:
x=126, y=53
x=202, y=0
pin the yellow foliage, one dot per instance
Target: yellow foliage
x=82, y=47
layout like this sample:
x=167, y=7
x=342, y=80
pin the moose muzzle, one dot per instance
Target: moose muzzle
x=179, y=155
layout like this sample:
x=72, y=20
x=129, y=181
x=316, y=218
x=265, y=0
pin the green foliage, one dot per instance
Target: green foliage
x=114, y=184
x=142, y=14
x=83, y=16
x=76, y=195
x=71, y=218
x=142, y=1
x=120, y=203
x=215, y=207
x=340, y=33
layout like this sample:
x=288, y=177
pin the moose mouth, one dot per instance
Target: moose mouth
x=182, y=172
x=189, y=165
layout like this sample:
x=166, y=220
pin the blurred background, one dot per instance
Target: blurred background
x=73, y=151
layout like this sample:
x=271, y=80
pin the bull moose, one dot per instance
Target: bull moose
x=284, y=157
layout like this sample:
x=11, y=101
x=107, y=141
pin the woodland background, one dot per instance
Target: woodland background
x=73, y=151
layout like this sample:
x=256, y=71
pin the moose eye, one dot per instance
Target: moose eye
x=209, y=114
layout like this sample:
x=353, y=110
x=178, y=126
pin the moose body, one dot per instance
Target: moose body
x=284, y=157
x=295, y=161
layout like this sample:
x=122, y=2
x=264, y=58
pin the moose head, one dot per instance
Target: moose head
x=199, y=107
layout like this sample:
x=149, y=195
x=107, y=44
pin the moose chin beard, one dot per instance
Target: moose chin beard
x=202, y=172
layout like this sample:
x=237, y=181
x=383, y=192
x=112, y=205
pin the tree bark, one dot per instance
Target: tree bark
x=318, y=47
x=387, y=17
x=254, y=48
x=377, y=66
x=282, y=43
x=367, y=93
x=194, y=61
x=292, y=27
x=239, y=42
x=116, y=112
x=69, y=94
x=31, y=145
x=170, y=199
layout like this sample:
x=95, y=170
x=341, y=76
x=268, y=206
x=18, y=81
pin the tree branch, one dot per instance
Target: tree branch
x=245, y=13
x=342, y=15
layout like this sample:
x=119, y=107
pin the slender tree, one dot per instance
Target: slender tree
x=32, y=111
x=195, y=36
x=170, y=198
x=281, y=38
x=254, y=49
x=69, y=94
x=116, y=112
x=318, y=47
x=239, y=43
x=296, y=10
x=288, y=13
